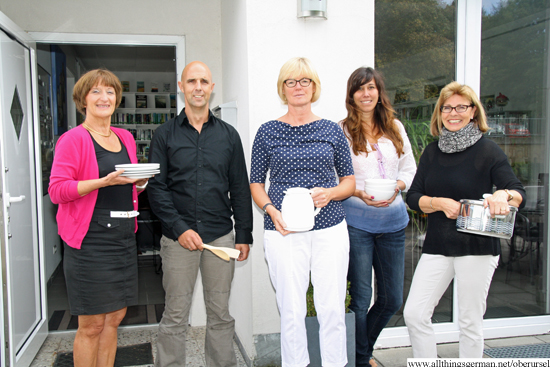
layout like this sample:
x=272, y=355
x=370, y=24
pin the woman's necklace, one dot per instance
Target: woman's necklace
x=97, y=132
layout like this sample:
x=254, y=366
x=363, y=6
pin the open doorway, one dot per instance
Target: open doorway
x=149, y=78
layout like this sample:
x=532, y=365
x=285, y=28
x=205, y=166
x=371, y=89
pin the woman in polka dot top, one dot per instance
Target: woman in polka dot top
x=379, y=148
x=301, y=149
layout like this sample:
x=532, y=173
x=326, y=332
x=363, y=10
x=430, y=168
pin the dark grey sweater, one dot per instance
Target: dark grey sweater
x=464, y=175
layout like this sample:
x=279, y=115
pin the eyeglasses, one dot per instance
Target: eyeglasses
x=291, y=83
x=459, y=109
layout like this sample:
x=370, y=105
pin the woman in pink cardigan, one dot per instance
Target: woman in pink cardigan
x=97, y=218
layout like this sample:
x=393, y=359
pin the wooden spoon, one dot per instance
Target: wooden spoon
x=224, y=253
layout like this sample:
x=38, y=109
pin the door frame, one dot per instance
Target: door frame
x=99, y=39
x=27, y=353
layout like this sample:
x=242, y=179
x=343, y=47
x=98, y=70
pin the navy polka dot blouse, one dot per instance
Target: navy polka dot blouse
x=310, y=155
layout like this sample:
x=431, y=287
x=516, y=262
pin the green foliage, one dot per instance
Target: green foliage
x=419, y=136
x=415, y=44
x=311, y=305
x=523, y=24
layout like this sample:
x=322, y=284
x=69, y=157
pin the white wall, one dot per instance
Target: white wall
x=257, y=38
x=336, y=47
x=198, y=21
x=235, y=83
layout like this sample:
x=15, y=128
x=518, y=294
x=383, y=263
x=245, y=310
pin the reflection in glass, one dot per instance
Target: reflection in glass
x=415, y=45
x=46, y=126
x=514, y=84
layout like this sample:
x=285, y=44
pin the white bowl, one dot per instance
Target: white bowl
x=380, y=182
x=380, y=194
x=380, y=189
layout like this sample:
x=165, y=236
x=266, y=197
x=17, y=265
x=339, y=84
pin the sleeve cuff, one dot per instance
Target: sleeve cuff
x=243, y=237
x=73, y=191
x=179, y=228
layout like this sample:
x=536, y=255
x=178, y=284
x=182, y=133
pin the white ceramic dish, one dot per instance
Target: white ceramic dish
x=138, y=175
x=380, y=181
x=380, y=194
x=153, y=171
x=138, y=166
x=380, y=188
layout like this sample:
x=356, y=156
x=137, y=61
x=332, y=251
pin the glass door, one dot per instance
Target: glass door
x=415, y=48
x=514, y=91
x=499, y=48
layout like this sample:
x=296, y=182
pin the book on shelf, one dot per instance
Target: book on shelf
x=141, y=101
x=141, y=86
x=172, y=101
x=125, y=86
x=154, y=87
x=122, y=102
x=166, y=87
x=160, y=101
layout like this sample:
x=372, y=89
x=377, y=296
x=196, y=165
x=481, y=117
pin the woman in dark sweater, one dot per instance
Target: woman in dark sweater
x=461, y=165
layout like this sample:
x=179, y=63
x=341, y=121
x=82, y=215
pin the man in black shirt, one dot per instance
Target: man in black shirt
x=202, y=184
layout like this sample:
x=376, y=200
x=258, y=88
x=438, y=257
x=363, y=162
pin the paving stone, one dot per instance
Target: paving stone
x=508, y=342
x=393, y=357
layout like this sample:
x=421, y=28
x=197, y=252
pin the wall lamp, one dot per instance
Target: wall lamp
x=312, y=9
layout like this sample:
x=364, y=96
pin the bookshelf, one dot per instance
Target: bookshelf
x=148, y=100
x=145, y=108
x=141, y=115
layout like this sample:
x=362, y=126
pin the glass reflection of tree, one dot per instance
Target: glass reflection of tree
x=415, y=50
x=513, y=54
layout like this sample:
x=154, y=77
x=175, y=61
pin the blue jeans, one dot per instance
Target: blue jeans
x=386, y=253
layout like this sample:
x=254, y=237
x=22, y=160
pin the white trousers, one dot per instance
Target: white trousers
x=431, y=278
x=291, y=258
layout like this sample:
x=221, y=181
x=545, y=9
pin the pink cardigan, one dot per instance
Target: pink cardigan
x=74, y=161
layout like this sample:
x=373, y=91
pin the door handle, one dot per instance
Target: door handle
x=13, y=199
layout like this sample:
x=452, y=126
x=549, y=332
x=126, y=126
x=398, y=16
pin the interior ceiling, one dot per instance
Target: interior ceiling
x=127, y=58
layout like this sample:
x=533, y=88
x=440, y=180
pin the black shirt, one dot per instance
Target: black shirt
x=202, y=182
x=463, y=175
x=116, y=197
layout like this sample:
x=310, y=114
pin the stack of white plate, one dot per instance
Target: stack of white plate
x=139, y=170
x=380, y=188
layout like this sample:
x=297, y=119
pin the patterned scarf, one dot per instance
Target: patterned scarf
x=457, y=141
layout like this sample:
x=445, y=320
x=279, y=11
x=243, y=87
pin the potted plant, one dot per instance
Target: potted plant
x=312, y=328
x=419, y=135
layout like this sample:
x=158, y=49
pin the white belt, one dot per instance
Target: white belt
x=132, y=214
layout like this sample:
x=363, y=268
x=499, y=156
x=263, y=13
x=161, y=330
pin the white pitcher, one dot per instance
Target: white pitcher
x=298, y=209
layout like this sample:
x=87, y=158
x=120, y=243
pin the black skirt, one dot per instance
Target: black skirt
x=103, y=275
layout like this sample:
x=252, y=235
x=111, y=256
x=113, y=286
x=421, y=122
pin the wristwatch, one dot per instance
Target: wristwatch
x=510, y=196
x=265, y=207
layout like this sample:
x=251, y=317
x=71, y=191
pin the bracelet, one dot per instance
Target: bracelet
x=510, y=196
x=265, y=207
x=431, y=206
x=142, y=187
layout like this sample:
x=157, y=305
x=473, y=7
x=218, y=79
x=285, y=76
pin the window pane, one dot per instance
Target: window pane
x=415, y=44
x=514, y=84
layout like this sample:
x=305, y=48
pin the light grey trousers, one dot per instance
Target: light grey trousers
x=180, y=269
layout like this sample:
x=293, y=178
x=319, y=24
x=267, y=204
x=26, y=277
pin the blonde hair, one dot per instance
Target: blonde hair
x=89, y=80
x=295, y=67
x=480, y=119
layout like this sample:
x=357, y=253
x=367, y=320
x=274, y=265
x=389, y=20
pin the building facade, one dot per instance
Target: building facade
x=499, y=47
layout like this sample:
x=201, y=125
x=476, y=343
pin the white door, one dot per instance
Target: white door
x=25, y=325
